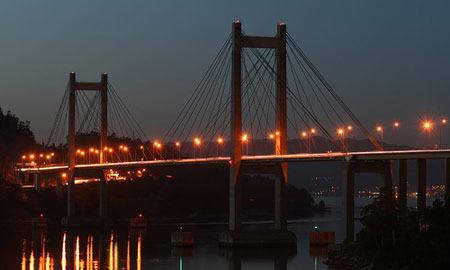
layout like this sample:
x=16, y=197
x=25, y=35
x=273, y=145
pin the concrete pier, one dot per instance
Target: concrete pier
x=402, y=184
x=348, y=201
x=421, y=184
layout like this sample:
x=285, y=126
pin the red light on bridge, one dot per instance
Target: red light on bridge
x=427, y=125
x=313, y=130
x=340, y=131
x=140, y=215
x=64, y=175
x=42, y=215
x=379, y=129
x=220, y=140
x=271, y=136
x=304, y=134
x=177, y=144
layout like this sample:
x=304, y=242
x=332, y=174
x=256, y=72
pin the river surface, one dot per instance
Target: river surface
x=117, y=249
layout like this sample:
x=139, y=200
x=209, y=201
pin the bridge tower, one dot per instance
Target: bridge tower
x=232, y=237
x=74, y=86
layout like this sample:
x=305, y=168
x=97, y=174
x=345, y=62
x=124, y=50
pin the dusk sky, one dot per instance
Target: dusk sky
x=388, y=60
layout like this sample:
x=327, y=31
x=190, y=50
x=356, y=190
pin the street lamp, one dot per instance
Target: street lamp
x=443, y=122
x=304, y=135
x=427, y=126
x=197, y=142
x=380, y=130
x=91, y=150
x=341, y=133
x=178, y=145
x=245, y=140
x=220, y=144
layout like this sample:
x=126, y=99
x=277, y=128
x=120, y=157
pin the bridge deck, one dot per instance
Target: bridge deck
x=336, y=156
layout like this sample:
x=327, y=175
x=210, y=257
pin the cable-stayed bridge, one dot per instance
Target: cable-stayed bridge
x=260, y=105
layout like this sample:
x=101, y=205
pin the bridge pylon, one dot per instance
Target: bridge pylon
x=74, y=86
x=280, y=236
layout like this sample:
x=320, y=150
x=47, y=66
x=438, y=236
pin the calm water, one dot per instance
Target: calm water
x=149, y=249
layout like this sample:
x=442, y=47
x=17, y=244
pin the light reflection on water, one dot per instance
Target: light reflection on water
x=85, y=257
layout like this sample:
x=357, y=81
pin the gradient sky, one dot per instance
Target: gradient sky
x=389, y=60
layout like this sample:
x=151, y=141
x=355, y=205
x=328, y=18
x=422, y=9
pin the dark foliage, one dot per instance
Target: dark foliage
x=416, y=241
x=16, y=138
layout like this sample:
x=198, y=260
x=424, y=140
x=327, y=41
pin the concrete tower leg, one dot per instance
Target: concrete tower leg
x=281, y=127
x=386, y=182
x=402, y=186
x=421, y=184
x=447, y=179
x=72, y=153
x=348, y=201
x=103, y=196
x=280, y=202
x=59, y=187
x=37, y=182
x=236, y=131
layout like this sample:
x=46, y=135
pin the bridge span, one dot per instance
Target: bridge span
x=303, y=157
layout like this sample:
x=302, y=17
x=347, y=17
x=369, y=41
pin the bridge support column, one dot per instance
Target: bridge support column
x=348, y=201
x=280, y=201
x=103, y=207
x=421, y=183
x=386, y=182
x=447, y=179
x=402, y=185
x=37, y=180
x=59, y=187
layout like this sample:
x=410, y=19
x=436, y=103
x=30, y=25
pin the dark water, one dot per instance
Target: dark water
x=24, y=248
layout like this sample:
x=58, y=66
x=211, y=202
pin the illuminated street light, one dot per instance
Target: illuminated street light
x=245, y=141
x=349, y=128
x=277, y=133
x=271, y=136
x=395, y=127
x=341, y=133
x=220, y=145
x=197, y=142
x=443, y=122
x=178, y=145
x=381, y=131
x=427, y=126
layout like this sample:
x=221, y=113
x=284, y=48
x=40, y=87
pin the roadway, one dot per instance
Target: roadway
x=304, y=157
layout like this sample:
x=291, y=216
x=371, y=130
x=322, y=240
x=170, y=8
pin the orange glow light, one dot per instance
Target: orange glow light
x=444, y=121
x=32, y=156
x=427, y=125
x=142, y=147
x=277, y=133
x=52, y=154
x=24, y=157
x=396, y=124
x=64, y=175
x=313, y=130
x=271, y=136
x=41, y=155
x=110, y=150
x=245, y=137
x=304, y=134
x=197, y=141
x=177, y=144
x=125, y=148
x=349, y=127
x=379, y=129
x=220, y=140
x=340, y=131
